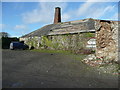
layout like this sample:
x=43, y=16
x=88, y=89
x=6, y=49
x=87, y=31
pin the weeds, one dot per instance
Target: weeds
x=72, y=55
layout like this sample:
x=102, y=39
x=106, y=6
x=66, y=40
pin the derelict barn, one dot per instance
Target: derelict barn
x=98, y=35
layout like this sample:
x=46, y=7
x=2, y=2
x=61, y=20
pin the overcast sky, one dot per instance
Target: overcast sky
x=20, y=18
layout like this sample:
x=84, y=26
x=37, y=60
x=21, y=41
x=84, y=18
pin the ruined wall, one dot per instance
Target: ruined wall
x=73, y=42
x=107, y=39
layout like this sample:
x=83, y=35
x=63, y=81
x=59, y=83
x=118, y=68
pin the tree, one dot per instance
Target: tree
x=4, y=34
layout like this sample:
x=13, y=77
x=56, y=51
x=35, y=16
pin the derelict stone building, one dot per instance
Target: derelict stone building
x=99, y=35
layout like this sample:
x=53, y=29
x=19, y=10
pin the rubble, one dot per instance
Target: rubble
x=102, y=64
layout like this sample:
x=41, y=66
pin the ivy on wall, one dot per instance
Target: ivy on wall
x=61, y=42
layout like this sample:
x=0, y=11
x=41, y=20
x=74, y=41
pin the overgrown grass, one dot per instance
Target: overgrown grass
x=72, y=55
x=51, y=51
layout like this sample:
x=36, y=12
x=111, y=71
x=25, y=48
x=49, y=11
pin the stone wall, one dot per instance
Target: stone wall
x=72, y=42
x=107, y=39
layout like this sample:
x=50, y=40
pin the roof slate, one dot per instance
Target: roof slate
x=64, y=27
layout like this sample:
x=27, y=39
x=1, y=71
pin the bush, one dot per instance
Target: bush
x=5, y=42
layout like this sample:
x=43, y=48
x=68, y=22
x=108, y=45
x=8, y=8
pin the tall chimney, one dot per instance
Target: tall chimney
x=57, y=17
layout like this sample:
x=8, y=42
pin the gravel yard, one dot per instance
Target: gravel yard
x=28, y=69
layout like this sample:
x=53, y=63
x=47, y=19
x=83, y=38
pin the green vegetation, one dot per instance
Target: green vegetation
x=46, y=42
x=51, y=51
x=72, y=43
x=88, y=35
x=72, y=55
x=32, y=42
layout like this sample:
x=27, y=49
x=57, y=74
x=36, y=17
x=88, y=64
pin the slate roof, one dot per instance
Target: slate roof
x=63, y=27
x=42, y=31
x=51, y=27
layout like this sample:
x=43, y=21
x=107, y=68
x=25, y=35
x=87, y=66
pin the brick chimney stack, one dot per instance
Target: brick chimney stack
x=57, y=17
